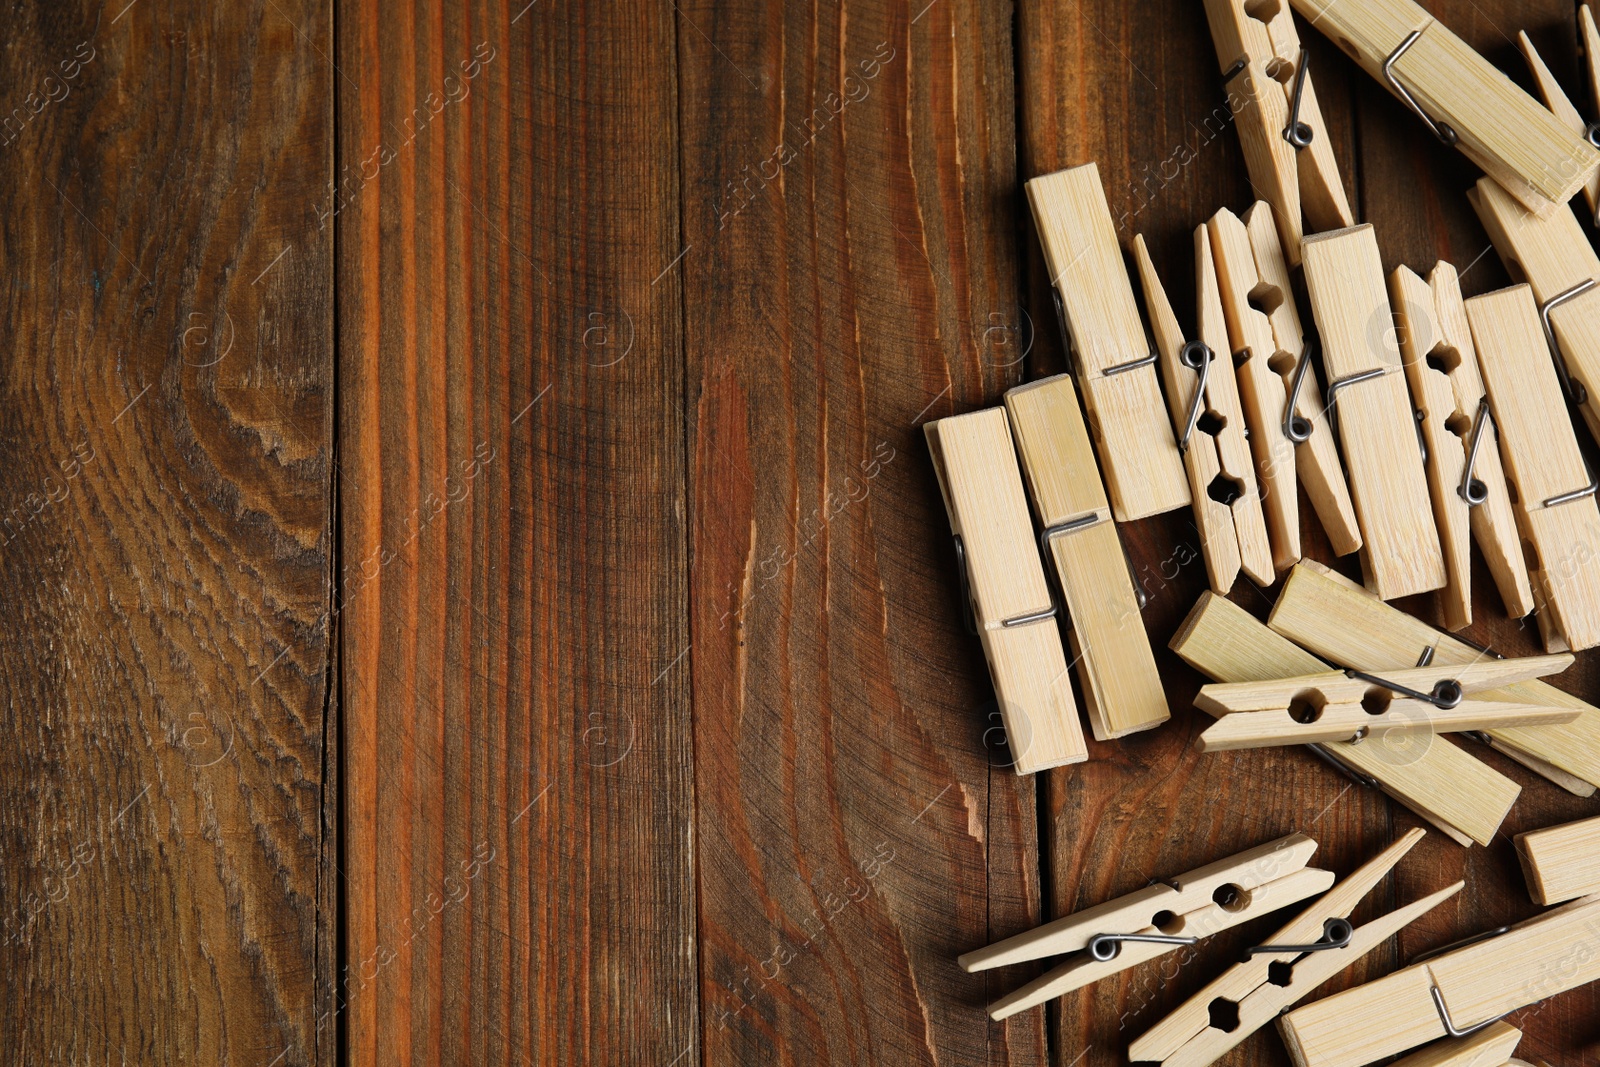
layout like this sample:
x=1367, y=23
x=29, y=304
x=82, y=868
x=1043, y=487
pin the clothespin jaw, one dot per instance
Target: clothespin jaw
x=1450, y=994
x=1561, y=863
x=1555, y=257
x=1465, y=479
x=1274, y=102
x=1107, y=343
x=1555, y=98
x=1461, y=97
x=1317, y=944
x=1352, y=705
x=1489, y=1047
x=1335, y=618
x=1007, y=596
x=1463, y=797
x=1121, y=687
x=1382, y=449
x=1555, y=491
x=1155, y=920
x=1203, y=398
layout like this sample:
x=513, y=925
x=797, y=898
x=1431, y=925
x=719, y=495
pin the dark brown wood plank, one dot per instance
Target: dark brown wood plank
x=1414, y=194
x=518, y=777
x=1136, y=89
x=850, y=215
x=166, y=430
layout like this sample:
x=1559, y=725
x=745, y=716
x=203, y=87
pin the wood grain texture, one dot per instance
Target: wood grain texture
x=165, y=513
x=518, y=774
x=852, y=205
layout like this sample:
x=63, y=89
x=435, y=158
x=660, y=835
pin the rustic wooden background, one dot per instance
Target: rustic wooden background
x=473, y=587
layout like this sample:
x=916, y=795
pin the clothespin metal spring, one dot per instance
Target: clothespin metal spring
x=1105, y=947
x=1441, y=130
x=1336, y=933
x=1297, y=427
x=969, y=611
x=1446, y=693
x=1296, y=132
x=1473, y=490
x=1197, y=356
x=1574, y=390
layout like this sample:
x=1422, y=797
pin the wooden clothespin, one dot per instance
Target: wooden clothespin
x=1555, y=492
x=1122, y=691
x=1555, y=98
x=1286, y=144
x=1008, y=602
x=1465, y=479
x=1319, y=943
x=1204, y=399
x=1462, y=97
x=1449, y=993
x=1555, y=257
x=1351, y=705
x=1155, y=920
x=1561, y=863
x=1102, y=330
x=1340, y=621
x=1463, y=797
x=1490, y=1047
x=1264, y=329
x=1367, y=394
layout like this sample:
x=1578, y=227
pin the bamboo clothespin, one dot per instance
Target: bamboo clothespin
x=1008, y=602
x=1490, y=1047
x=1102, y=330
x=1155, y=920
x=1561, y=863
x=1350, y=705
x=1555, y=492
x=1450, y=993
x=1286, y=144
x=1273, y=366
x=1342, y=622
x=1319, y=943
x=1554, y=256
x=1462, y=97
x=1122, y=692
x=1555, y=98
x=1465, y=479
x=1463, y=797
x=1204, y=399
x=1367, y=394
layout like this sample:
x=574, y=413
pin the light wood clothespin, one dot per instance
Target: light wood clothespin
x=1008, y=602
x=1463, y=797
x=1449, y=993
x=1461, y=97
x=1204, y=400
x=1554, y=256
x=1351, y=705
x=1555, y=492
x=1273, y=367
x=1286, y=144
x=1319, y=943
x=1122, y=691
x=1367, y=395
x=1561, y=863
x=1555, y=98
x=1158, y=919
x=1106, y=339
x=1490, y=1047
x=1442, y=370
x=1340, y=621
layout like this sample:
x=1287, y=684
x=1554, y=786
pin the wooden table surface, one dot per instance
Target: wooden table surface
x=474, y=589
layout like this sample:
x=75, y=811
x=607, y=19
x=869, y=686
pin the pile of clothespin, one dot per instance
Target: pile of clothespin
x=1435, y=422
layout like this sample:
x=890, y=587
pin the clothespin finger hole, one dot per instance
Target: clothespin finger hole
x=1376, y=701
x=1225, y=1014
x=1165, y=921
x=1210, y=422
x=1306, y=706
x=1231, y=897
